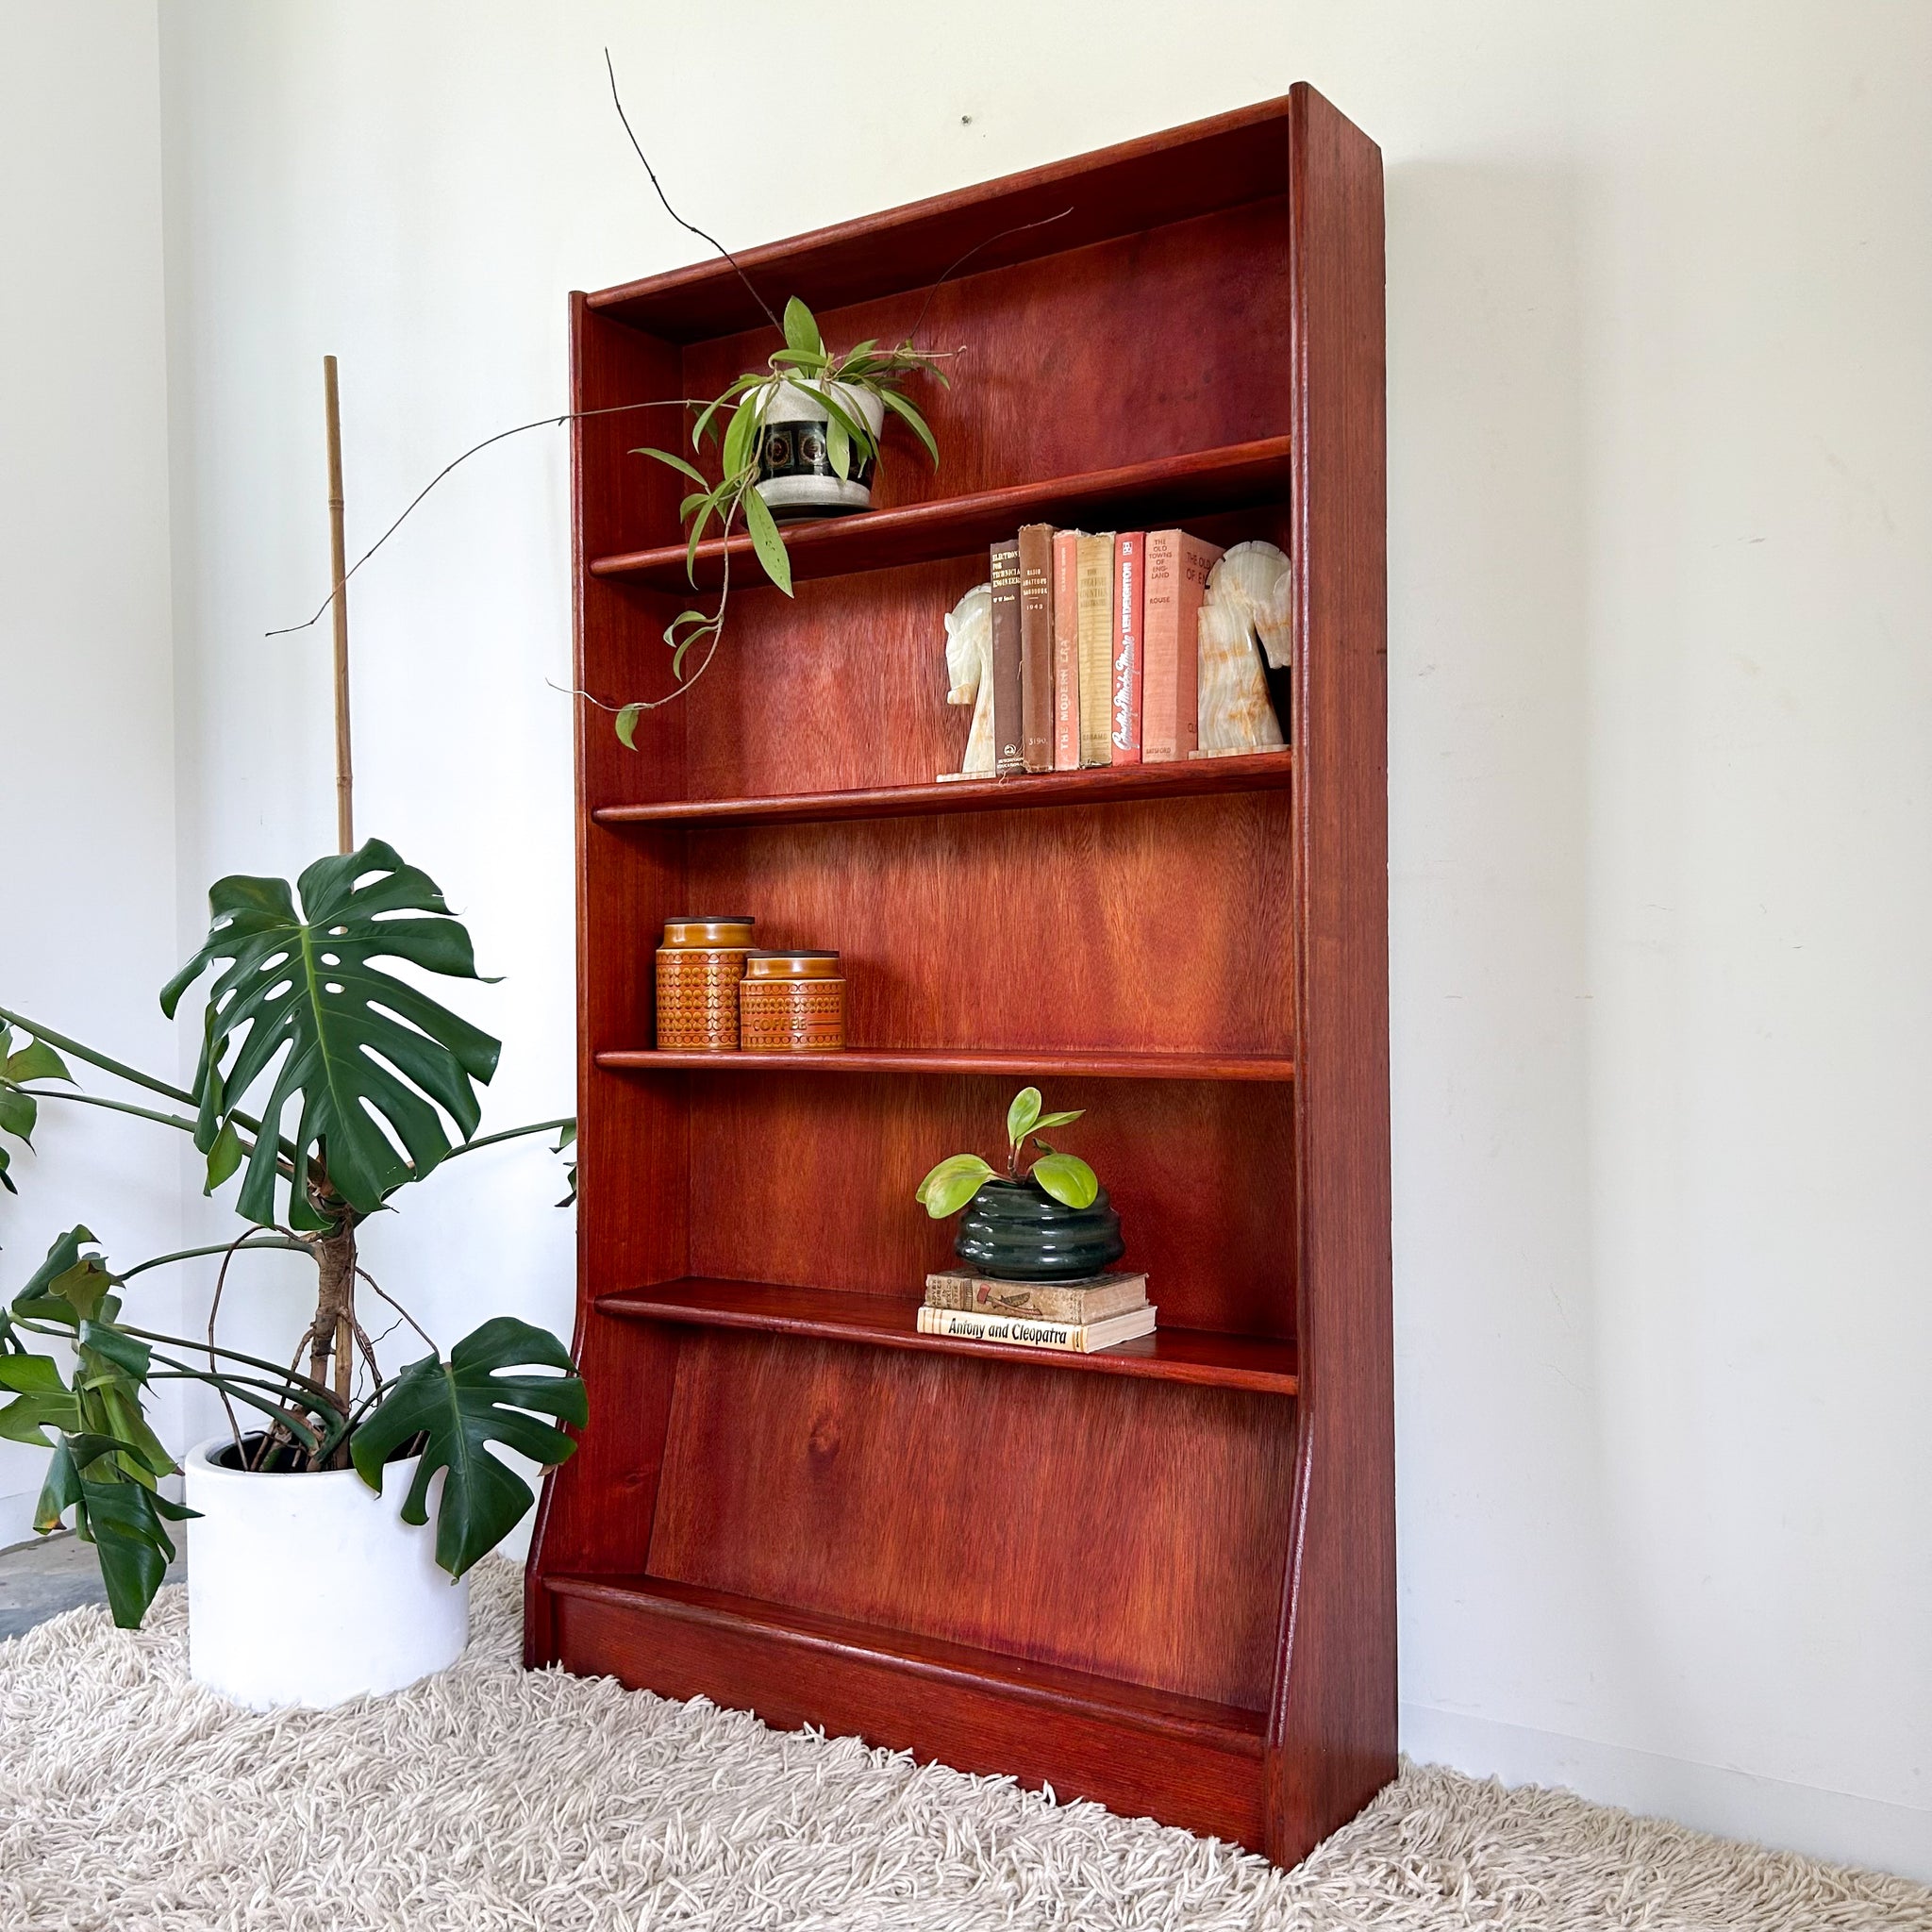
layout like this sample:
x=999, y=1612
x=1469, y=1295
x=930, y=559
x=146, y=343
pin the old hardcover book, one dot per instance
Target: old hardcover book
x=1095, y=628
x=1092, y=1300
x=1066, y=650
x=1177, y=567
x=1129, y=587
x=1074, y=1337
x=1008, y=750
x=1036, y=645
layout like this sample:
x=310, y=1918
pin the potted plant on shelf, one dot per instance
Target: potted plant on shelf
x=314, y=1572
x=1052, y=1223
x=799, y=437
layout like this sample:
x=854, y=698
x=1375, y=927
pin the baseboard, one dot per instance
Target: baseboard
x=17, y=1517
x=1734, y=1803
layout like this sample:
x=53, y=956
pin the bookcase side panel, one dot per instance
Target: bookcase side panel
x=1333, y=1725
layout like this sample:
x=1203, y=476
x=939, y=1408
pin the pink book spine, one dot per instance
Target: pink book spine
x=1160, y=651
x=1066, y=651
x=1130, y=556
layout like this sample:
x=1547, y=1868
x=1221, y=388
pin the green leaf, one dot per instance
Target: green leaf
x=839, y=447
x=766, y=540
x=5, y=1182
x=1023, y=1115
x=739, y=438
x=901, y=408
x=223, y=1158
x=1067, y=1178
x=38, y=1061
x=358, y=1049
x=851, y=421
x=566, y=1140
x=127, y=1353
x=952, y=1184
x=814, y=360
x=1056, y=1120
x=38, y=1297
x=18, y=1112
x=677, y=463
x=461, y=1406
x=32, y=1374
x=627, y=725
x=801, y=331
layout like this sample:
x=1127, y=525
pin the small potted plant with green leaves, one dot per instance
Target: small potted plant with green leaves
x=1049, y=1222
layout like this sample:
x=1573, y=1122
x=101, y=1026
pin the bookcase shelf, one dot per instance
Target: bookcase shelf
x=1181, y=486
x=1260, y=1364
x=1162, y=1577
x=1044, y=1063
x=1100, y=785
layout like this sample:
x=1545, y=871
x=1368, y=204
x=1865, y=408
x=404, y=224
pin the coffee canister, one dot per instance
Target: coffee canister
x=792, y=1003
x=699, y=967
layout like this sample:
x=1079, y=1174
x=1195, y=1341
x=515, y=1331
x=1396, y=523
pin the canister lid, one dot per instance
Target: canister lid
x=791, y=965
x=709, y=929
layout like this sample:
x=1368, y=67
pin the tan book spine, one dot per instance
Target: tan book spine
x=1036, y=645
x=1037, y=1301
x=1066, y=651
x=1096, y=648
x=1072, y=1338
x=1008, y=752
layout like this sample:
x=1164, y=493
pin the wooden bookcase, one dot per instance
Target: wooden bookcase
x=1161, y=1577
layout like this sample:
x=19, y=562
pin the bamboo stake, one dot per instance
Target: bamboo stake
x=339, y=571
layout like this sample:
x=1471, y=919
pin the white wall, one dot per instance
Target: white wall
x=1660, y=718
x=86, y=752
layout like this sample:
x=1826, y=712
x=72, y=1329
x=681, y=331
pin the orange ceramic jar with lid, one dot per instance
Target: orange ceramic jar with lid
x=792, y=1003
x=699, y=966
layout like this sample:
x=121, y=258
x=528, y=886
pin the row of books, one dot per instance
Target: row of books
x=1079, y=1317
x=1094, y=659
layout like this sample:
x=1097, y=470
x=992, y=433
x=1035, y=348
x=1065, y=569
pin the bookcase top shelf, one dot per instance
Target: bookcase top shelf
x=1047, y=1063
x=1181, y=779
x=1217, y=163
x=1256, y=1362
x=1231, y=477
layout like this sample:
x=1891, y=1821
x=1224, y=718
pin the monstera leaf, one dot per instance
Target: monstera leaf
x=105, y=1458
x=461, y=1406
x=19, y=1111
x=363, y=1048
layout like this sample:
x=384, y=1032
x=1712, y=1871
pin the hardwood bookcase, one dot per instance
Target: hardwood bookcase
x=1161, y=1577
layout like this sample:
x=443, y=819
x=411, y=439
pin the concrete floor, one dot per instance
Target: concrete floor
x=52, y=1573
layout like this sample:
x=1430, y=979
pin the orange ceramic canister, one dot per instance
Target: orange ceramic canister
x=792, y=1003
x=699, y=967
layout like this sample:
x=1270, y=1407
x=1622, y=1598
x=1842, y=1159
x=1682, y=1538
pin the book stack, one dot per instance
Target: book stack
x=1081, y=1317
x=1095, y=653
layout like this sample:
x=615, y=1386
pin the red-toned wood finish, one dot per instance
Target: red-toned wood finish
x=1163, y=1576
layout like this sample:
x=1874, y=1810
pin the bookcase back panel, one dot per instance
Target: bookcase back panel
x=1156, y=926
x=1060, y=374
x=839, y=687
x=809, y=1180
x=1131, y=1529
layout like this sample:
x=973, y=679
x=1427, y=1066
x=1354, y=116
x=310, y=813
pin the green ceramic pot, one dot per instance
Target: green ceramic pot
x=1016, y=1231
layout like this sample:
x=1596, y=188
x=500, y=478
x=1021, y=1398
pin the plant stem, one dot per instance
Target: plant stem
x=509, y=1134
x=295, y=1247
x=132, y=1074
x=146, y=1114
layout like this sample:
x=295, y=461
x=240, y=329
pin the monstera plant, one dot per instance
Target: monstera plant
x=328, y=1083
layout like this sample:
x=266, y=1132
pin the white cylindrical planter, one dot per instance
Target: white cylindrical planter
x=795, y=473
x=306, y=1590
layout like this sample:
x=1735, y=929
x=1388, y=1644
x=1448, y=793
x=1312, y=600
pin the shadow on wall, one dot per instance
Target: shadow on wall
x=1513, y=1598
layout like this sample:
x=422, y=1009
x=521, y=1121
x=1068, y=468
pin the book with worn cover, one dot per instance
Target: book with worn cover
x=1096, y=627
x=1009, y=751
x=1074, y=1337
x=1036, y=645
x=1066, y=650
x=1092, y=1300
x=1177, y=567
x=1129, y=585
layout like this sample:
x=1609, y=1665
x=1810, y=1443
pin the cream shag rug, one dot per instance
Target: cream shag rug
x=491, y=1798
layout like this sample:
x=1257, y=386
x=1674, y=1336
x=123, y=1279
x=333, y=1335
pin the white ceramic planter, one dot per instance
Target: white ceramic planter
x=306, y=1590
x=796, y=474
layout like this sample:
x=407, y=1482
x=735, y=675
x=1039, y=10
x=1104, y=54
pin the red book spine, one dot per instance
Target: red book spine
x=1066, y=651
x=1129, y=552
